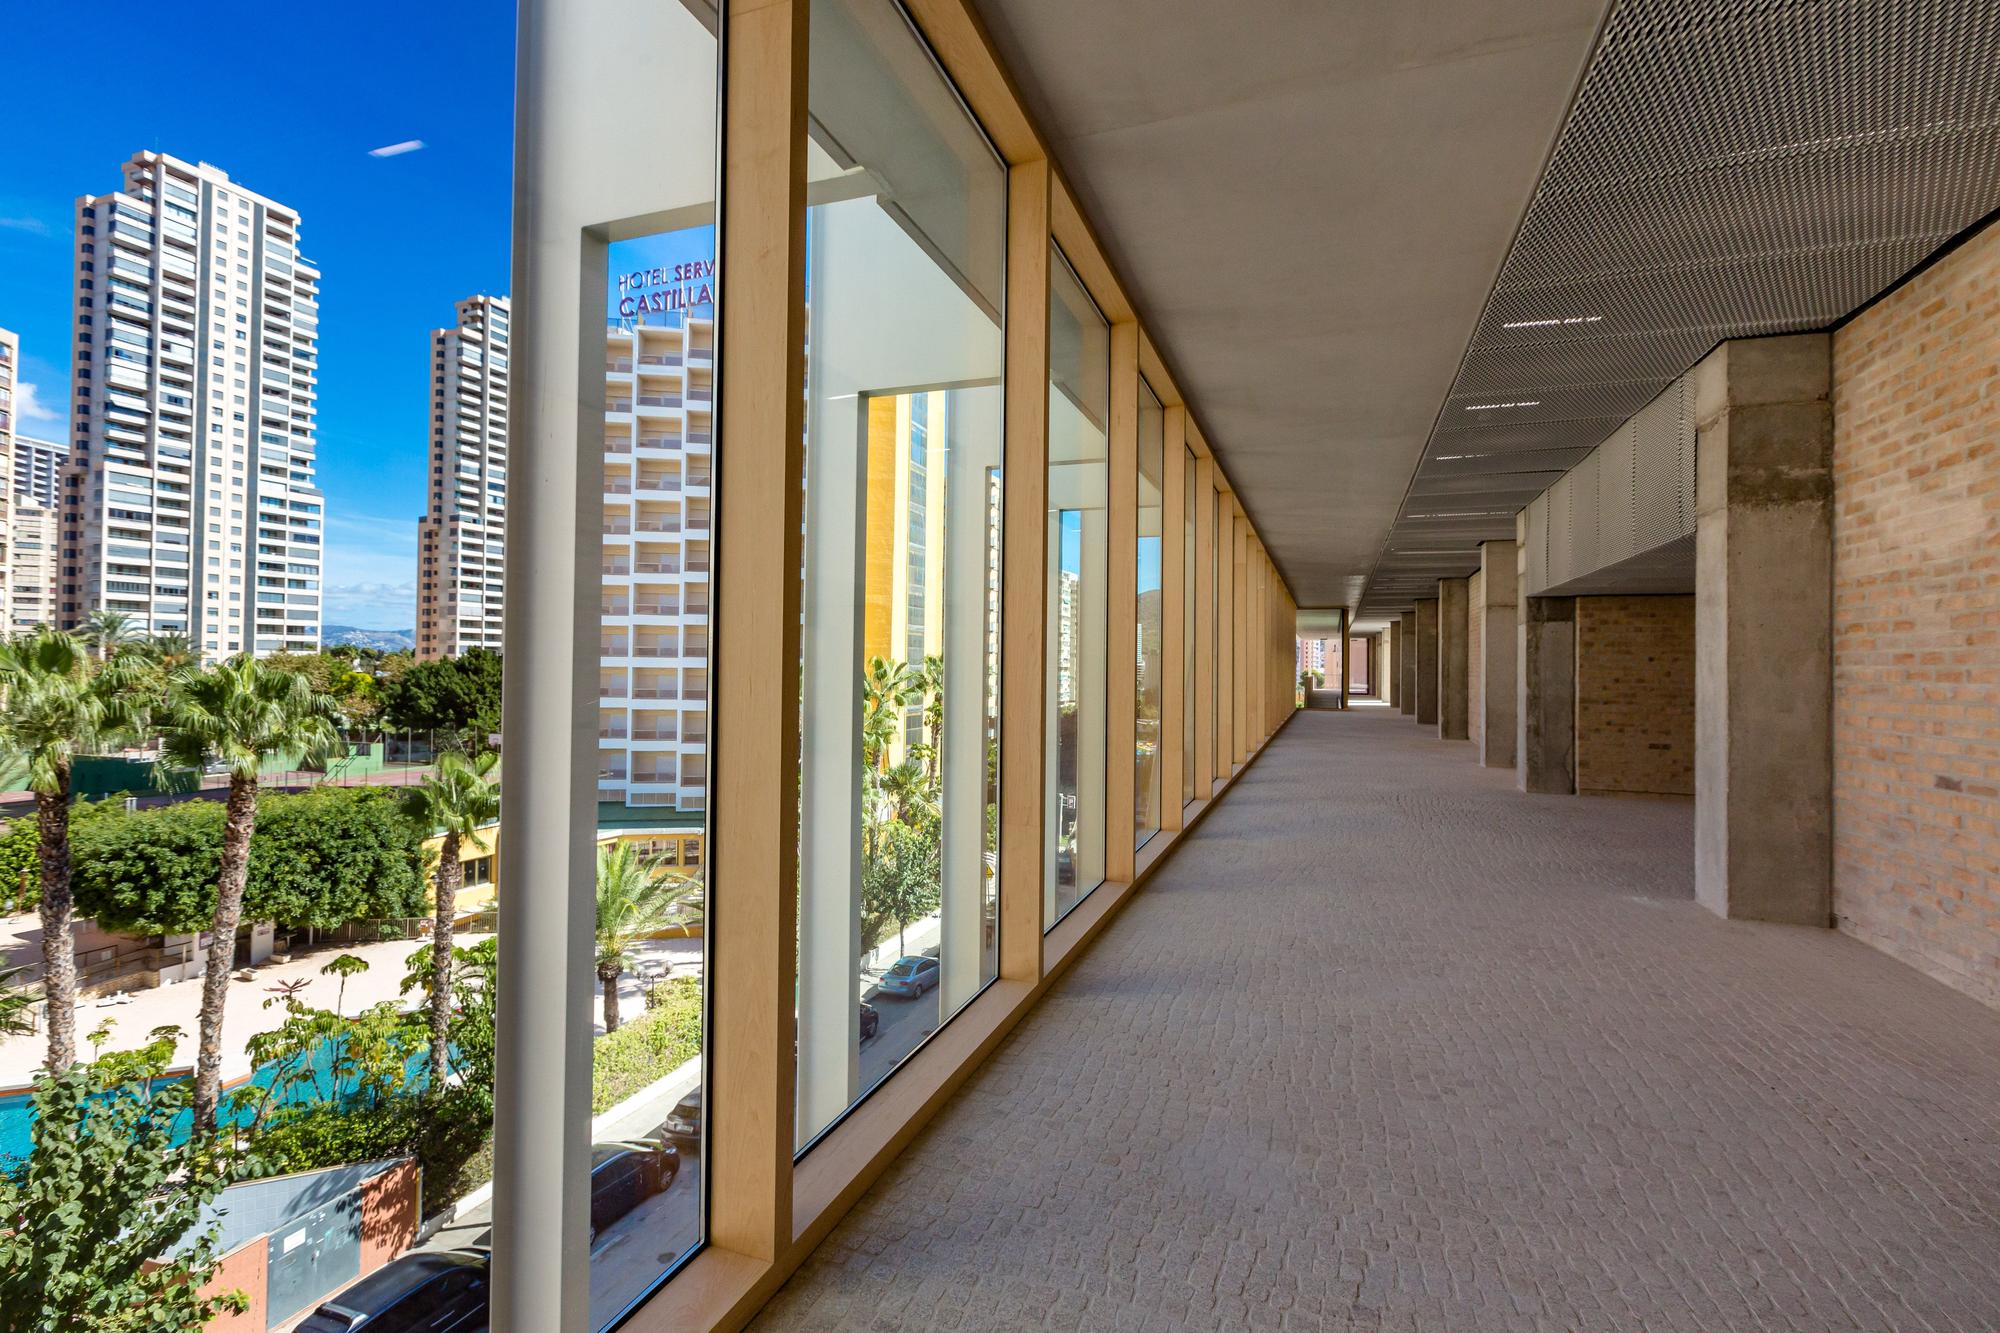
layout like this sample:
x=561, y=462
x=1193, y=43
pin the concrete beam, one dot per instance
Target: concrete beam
x=1501, y=579
x=1453, y=604
x=1764, y=630
x=1406, y=663
x=1427, y=662
x=1546, y=668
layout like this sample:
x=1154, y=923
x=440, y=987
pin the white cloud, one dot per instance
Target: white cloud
x=32, y=226
x=27, y=402
x=369, y=573
x=396, y=149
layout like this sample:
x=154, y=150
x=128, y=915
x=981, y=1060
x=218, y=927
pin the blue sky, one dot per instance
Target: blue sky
x=288, y=100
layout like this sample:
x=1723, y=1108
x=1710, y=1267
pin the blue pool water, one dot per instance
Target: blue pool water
x=17, y=1116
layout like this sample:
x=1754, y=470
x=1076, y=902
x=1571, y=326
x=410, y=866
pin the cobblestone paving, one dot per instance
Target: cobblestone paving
x=1389, y=1045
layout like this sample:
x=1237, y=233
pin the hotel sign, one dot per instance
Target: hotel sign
x=678, y=288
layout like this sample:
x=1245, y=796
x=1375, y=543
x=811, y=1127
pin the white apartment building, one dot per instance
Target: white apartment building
x=37, y=470
x=462, y=536
x=189, y=501
x=31, y=582
x=652, y=721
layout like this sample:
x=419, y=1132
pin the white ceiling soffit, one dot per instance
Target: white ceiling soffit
x=1308, y=201
x=1731, y=168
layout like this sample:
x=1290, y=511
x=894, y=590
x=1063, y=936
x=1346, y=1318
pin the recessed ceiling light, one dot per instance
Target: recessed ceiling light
x=1494, y=407
x=1551, y=323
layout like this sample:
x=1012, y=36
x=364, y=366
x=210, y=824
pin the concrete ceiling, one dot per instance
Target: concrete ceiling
x=1310, y=203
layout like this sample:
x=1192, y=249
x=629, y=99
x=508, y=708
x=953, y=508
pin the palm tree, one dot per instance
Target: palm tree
x=105, y=630
x=634, y=899
x=16, y=1000
x=456, y=798
x=58, y=707
x=887, y=688
x=172, y=651
x=239, y=714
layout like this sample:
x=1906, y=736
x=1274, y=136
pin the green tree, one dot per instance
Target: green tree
x=171, y=652
x=19, y=867
x=455, y=800
x=458, y=697
x=634, y=899
x=101, y=1229
x=900, y=882
x=238, y=714
x=324, y=859
x=344, y=966
x=16, y=1002
x=58, y=706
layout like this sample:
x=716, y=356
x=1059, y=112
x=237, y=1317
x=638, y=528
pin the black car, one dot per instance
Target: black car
x=871, y=1021
x=436, y=1291
x=624, y=1174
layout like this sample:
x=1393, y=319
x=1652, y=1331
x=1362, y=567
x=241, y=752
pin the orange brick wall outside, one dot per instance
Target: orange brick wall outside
x=1475, y=656
x=1635, y=695
x=242, y=1269
x=391, y=1205
x=1916, y=615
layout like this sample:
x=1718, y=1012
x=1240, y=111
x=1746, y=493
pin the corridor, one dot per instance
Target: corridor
x=1389, y=1045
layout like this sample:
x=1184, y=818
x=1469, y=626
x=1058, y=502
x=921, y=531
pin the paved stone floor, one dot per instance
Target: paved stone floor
x=1388, y=1045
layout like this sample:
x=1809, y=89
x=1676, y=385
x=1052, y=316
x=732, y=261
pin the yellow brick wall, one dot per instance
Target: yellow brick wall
x=1916, y=615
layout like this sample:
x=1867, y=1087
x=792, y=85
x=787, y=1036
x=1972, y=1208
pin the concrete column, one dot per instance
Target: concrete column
x=1454, y=600
x=1764, y=630
x=1546, y=669
x=1406, y=663
x=1497, y=632
x=1427, y=662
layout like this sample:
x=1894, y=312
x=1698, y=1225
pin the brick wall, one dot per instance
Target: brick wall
x=1916, y=615
x=1475, y=656
x=1635, y=695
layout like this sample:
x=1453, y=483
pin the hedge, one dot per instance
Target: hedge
x=648, y=1047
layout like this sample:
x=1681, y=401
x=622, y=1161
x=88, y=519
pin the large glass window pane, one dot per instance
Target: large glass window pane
x=906, y=271
x=1216, y=567
x=1078, y=554
x=1146, y=728
x=662, y=465
x=1187, y=632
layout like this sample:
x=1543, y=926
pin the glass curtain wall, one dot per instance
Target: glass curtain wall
x=660, y=454
x=1078, y=592
x=1146, y=806
x=906, y=273
x=1187, y=632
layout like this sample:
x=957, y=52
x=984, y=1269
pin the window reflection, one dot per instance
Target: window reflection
x=906, y=239
x=1078, y=537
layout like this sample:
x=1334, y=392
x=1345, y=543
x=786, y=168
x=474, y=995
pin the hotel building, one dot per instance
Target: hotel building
x=461, y=538
x=10, y=362
x=652, y=719
x=189, y=501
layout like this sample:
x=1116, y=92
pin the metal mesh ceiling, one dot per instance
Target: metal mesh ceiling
x=1730, y=168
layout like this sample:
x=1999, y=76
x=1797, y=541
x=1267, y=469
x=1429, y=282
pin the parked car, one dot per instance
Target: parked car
x=910, y=977
x=626, y=1173
x=871, y=1020
x=435, y=1291
x=683, y=1123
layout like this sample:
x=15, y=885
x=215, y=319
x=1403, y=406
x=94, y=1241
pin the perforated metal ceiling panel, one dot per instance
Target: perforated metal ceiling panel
x=1730, y=168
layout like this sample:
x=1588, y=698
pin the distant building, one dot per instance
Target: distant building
x=461, y=538
x=10, y=363
x=34, y=534
x=37, y=470
x=188, y=501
